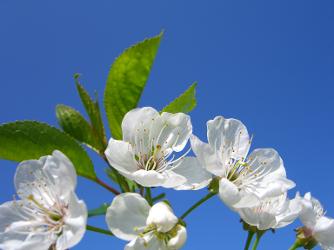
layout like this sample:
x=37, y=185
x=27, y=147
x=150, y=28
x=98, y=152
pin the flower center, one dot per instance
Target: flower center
x=243, y=173
x=162, y=236
x=155, y=152
x=238, y=169
x=153, y=160
x=158, y=159
x=53, y=216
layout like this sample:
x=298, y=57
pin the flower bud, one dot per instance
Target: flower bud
x=177, y=241
x=161, y=215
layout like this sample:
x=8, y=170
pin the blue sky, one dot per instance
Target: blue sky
x=267, y=63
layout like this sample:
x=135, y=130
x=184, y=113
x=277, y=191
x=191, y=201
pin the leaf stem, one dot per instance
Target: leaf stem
x=106, y=186
x=98, y=230
x=197, y=204
x=249, y=240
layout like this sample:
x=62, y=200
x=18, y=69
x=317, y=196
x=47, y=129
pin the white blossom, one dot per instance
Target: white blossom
x=131, y=218
x=147, y=153
x=244, y=181
x=272, y=212
x=49, y=213
x=316, y=224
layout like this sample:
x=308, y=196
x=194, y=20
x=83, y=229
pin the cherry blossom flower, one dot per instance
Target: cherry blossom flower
x=131, y=218
x=318, y=228
x=272, y=212
x=243, y=182
x=49, y=214
x=147, y=153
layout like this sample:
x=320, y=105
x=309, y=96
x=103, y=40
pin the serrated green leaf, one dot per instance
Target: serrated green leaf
x=98, y=211
x=126, y=81
x=184, y=103
x=73, y=123
x=93, y=110
x=25, y=140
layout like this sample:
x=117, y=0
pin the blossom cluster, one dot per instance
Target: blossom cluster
x=48, y=214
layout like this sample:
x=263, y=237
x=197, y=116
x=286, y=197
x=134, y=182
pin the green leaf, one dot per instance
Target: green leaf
x=125, y=184
x=25, y=140
x=184, y=103
x=73, y=123
x=126, y=81
x=98, y=211
x=93, y=111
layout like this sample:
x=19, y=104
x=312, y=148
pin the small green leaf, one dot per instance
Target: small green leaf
x=126, y=81
x=184, y=103
x=75, y=125
x=25, y=140
x=92, y=109
x=125, y=184
x=98, y=211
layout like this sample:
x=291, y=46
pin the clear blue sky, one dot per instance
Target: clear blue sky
x=267, y=63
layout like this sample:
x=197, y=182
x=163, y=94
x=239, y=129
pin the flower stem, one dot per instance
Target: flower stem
x=98, y=230
x=197, y=204
x=257, y=240
x=249, y=240
x=295, y=245
x=158, y=197
x=106, y=186
x=148, y=196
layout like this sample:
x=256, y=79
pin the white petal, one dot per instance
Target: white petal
x=308, y=215
x=206, y=156
x=273, y=187
x=61, y=170
x=324, y=232
x=161, y=215
x=38, y=177
x=172, y=179
x=247, y=200
x=267, y=178
x=261, y=220
x=178, y=241
x=126, y=214
x=228, y=134
x=75, y=224
x=268, y=160
x=266, y=221
x=228, y=192
x=25, y=242
x=145, y=126
x=121, y=157
x=177, y=131
x=138, y=118
x=197, y=177
x=18, y=229
x=290, y=214
x=149, y=178
x=148, y=242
